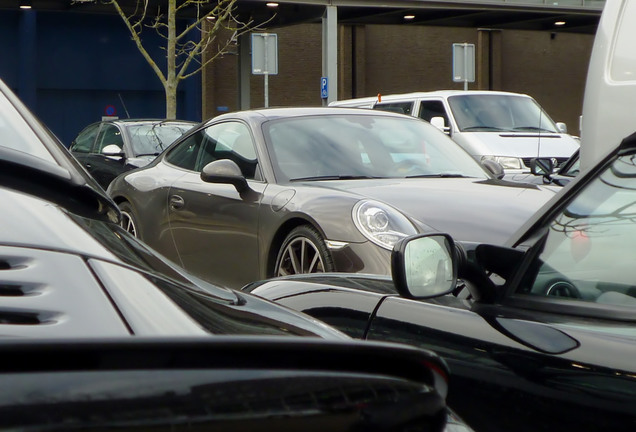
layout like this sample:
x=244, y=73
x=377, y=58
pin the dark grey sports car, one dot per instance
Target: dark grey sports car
x=303, y=190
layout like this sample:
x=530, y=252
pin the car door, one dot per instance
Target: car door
x=214, y=227
x=83, y=145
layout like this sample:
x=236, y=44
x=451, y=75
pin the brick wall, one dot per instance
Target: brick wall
x=374, y=59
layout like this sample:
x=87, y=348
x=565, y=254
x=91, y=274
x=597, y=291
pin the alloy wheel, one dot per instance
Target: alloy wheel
x=300, y=255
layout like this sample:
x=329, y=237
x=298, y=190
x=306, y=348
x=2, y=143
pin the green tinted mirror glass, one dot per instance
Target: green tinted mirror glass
x=428, y=265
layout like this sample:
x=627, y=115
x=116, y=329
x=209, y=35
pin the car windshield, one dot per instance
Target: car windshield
x=496, y=113
x=588, y=251
x=149, y=139
x=16, y=134
x=364, y=146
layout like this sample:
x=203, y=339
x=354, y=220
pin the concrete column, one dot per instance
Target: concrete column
x=330, y=52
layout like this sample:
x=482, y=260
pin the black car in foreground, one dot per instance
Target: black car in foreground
x=99, y=332
x=540, y=334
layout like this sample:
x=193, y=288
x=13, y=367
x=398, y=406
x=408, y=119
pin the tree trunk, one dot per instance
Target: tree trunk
x=171, y=78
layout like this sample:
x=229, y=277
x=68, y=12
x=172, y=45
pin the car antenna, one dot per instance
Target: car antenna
x=377, y=101
x=123, y=104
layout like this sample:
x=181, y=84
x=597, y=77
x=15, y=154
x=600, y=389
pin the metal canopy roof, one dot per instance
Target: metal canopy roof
x=579, y=16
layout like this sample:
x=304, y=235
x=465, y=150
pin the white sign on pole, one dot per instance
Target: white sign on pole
x=264, y=53
x=464, y=63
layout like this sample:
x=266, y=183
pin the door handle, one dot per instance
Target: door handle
x=176, y=202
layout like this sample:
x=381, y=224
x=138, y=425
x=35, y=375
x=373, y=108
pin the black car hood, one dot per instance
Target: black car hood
x=469, y=209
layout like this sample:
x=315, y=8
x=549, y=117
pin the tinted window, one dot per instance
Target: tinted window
x=85, y=140
x=229, y=140
x=109, y=135
x=398, y=107
x=186, y=153
x=588, y=251
x=434, y=108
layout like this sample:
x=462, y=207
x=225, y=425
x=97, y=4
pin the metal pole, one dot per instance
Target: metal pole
x=266, y=83
x=465, y=66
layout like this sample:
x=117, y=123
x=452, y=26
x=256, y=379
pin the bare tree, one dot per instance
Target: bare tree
x=211, y=28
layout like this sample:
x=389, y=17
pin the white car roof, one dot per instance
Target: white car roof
x=417, y=95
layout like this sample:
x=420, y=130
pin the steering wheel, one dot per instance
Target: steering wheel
x=562, y=288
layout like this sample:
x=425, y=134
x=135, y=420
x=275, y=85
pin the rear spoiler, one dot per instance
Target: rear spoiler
x=233, y=383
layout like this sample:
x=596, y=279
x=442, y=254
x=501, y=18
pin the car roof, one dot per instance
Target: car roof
x=265, y=114
x=130, y=121
x=418, y=95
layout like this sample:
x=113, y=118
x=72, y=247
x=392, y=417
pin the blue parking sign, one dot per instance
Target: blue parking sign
x=324, y=92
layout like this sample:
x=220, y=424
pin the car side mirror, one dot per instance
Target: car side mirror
x=541, y=166
x=113, y=150
x=494, y=168
x=423, y=266
x=440, y=124
x=562, y=127
x=225, y=171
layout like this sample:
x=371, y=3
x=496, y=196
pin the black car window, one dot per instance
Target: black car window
x=398, y=107
x=186, y=153
x=588, y=250
x=229, y=140
x=85, y=140
x=109, y=135
x=433, y=108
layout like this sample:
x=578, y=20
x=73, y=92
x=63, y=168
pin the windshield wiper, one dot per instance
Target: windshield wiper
x=438, y=175
x=333, y=177
x=534, y=128
x=469, y=128
x=147, y=154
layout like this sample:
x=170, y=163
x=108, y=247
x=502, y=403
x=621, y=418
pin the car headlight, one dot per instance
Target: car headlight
x=382, y=224
x=506, y=162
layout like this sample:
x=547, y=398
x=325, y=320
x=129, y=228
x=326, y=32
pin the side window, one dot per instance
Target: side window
x=588, y=250
x=85, y=140
x=229, y=140
x=398, y=107
x=433, y=108
x=186, y=153
x=109, y=134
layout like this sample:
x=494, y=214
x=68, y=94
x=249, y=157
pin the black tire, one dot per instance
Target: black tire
x=128, y=220
x=303, y=251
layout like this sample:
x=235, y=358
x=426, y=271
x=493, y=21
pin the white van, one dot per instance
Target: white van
x=509, y=128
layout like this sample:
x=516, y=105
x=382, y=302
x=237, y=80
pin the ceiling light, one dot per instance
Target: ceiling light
x=559, y=23
x=272, y=5
x=409, y=17
x=25, y=4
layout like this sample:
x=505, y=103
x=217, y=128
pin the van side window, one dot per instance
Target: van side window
x=433, y=108
x=398, y=107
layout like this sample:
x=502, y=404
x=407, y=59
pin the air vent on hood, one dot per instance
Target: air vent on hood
x=13, y=270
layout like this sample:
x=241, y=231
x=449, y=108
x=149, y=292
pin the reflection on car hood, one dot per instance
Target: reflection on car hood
x=469, y=209
x=525, y=144
x=32, y=222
